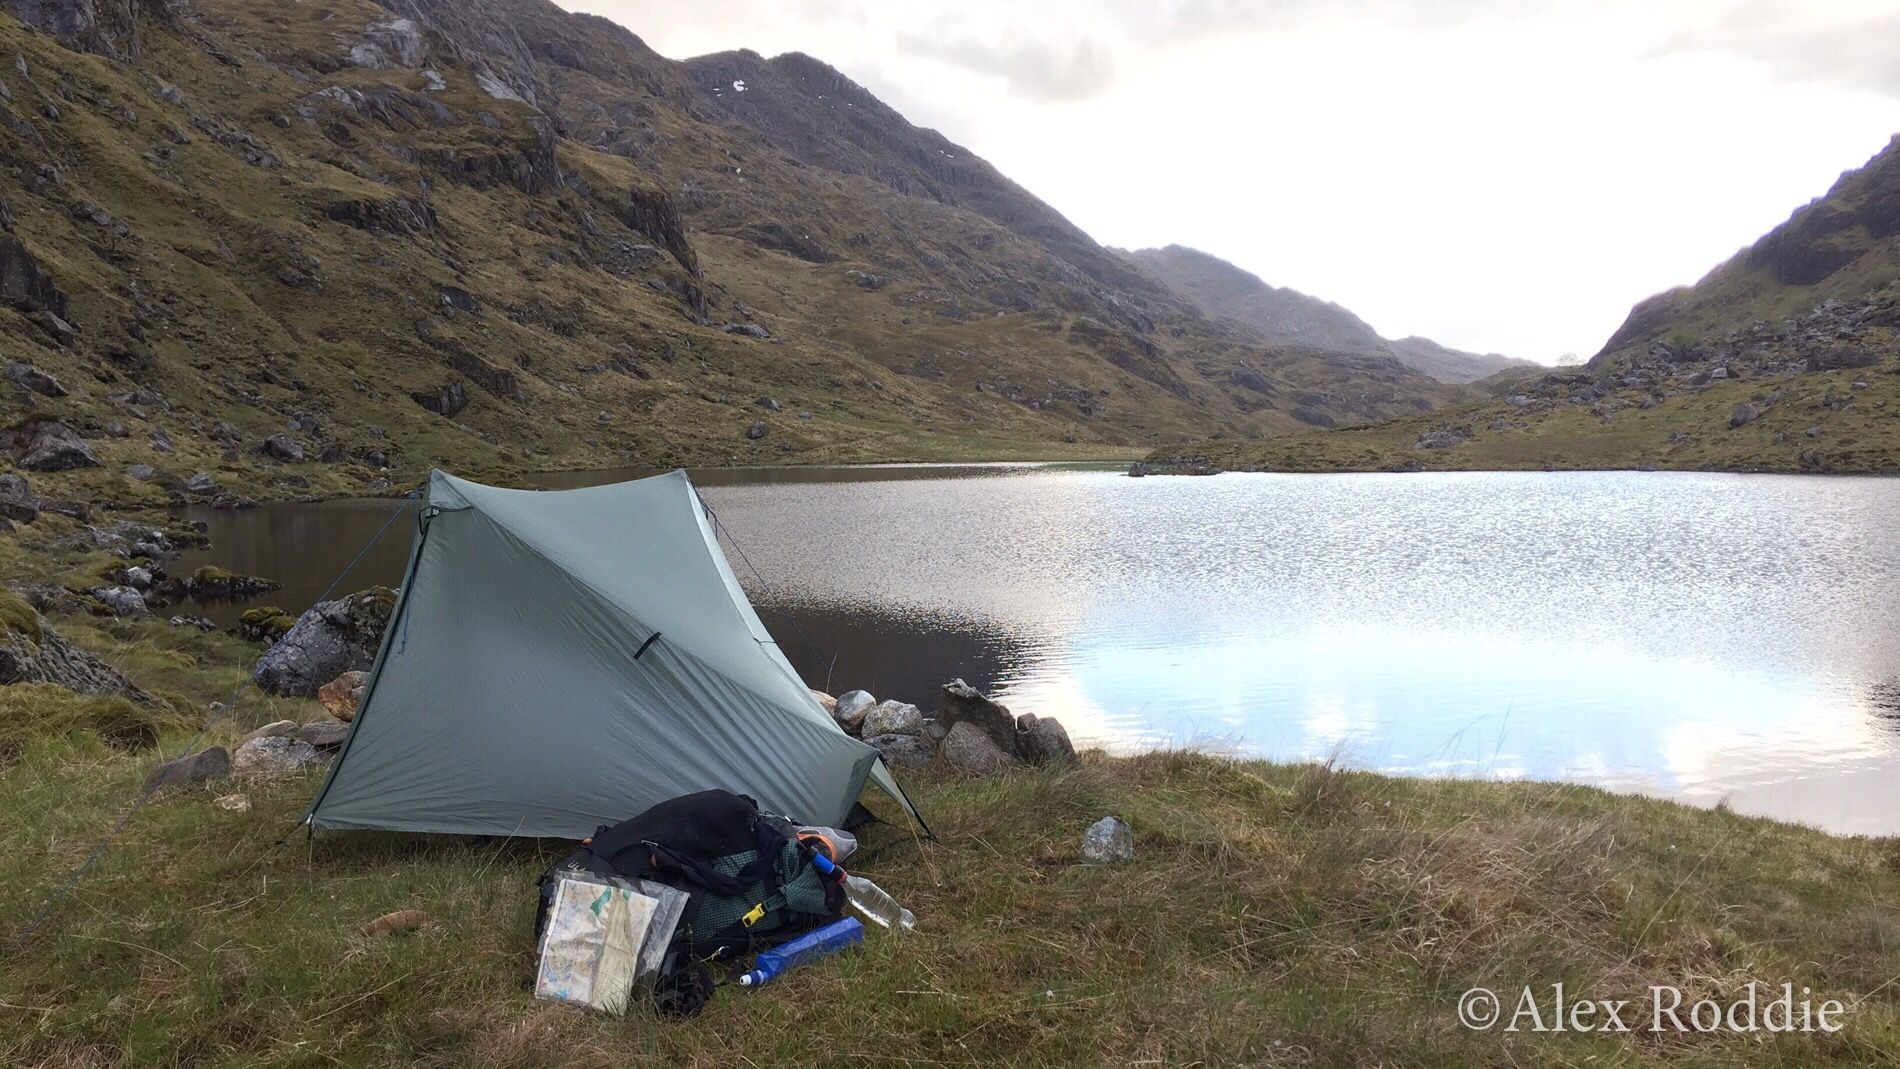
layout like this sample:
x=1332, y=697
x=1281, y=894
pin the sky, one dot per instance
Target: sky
x=1498, y=175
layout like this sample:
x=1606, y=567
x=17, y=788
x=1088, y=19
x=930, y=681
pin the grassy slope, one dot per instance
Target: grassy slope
x=1278, y=915
x=1690, y=432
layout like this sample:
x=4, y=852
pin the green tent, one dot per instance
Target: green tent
x=558, y=660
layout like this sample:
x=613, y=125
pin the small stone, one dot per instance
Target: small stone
x=323, y=734
x=892, y=718
x=969, y=750
x=144, y=473
x=273, y=755
x=235, y=803
x=274, y=729
x=1108, y=840
x=770, y=404
x=757, y=430
x=1743, y=415
x=903, y=751
x=201, y=767
x=851, y=708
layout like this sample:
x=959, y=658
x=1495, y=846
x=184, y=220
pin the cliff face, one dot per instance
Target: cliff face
x=1288, y=316
x=493, y=234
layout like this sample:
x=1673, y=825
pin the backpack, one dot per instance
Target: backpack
x=751, y=882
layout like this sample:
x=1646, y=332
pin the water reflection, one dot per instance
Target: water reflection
x=1694, y=636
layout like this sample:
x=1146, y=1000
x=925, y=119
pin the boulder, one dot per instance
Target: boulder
x=1108, y=840
x=201, y=483
x=892, y=718
x=830, y=703
x=963, y=704
x=281, y=447
x=447, y=401
x=17, y=502
x=32, y=378
x=23, y=283
x=1743, y=415
x=272, y=755
x=969, y=749
x=32, y=652
x=1042, y=741
x=757, y=430
x=342, y=695
x=850, y=708
x=331, y=638
x=122, y=600
x=271, y=730
x=144, y=473
x=201, y=767
x=903, y=751
x=323, y=735
x=47, y=445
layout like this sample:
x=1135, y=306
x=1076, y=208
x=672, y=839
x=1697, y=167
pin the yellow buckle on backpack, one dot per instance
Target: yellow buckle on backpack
x=753, y=916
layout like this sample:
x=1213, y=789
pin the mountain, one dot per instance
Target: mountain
x=1289, y=317
x=323, y=248
x=1784, y=358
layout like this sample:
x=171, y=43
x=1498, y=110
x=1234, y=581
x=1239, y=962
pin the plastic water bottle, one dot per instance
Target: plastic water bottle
x=870, y=899
x=809, y=947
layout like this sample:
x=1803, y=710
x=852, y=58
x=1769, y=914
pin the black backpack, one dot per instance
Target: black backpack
x=751, y=882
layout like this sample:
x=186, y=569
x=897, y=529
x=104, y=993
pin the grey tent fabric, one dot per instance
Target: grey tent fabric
x=558, y=660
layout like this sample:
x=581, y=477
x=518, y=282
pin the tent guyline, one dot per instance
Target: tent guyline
x=218, y=712
x=524, y=688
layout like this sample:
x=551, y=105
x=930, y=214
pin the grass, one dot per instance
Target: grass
x=1298, y=915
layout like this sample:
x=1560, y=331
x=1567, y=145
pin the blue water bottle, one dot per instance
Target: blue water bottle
x=811, y=946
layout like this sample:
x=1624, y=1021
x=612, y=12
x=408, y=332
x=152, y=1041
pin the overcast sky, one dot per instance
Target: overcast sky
x=1500, y=175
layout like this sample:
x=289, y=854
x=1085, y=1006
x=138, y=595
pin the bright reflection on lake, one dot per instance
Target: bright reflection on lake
x=1693, y=636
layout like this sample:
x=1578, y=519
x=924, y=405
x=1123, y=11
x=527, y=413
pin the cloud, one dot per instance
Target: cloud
x=1042, y=71
x=1847, y=47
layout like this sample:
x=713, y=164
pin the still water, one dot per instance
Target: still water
x=1694, y=636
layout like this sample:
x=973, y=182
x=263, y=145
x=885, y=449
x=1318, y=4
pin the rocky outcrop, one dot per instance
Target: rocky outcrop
x=108, y=27
x=448, y=401
x=47, y=445
x=333, y=637
x=395, y=215
x=31, y=378
x=17, y=500
x=23, y=283
x=653, y=213
x=32, y=652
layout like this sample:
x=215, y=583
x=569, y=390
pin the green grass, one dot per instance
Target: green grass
x=1276, y=915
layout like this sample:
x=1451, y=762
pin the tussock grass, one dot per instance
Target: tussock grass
x=1299, y=915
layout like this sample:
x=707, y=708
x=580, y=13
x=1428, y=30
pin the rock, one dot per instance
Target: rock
x=770, y=404
x=234, y=803
x=47, y=445
x=122, y=600
x=201, y=767
x=272, y=730
x=968, y=749
x=963, y=704
x=746, y=330
x=1443, y=438
x=386, y=44
x=265, y=623
x=904, y=751
x=322, y=734
x=935, y=730
x=1718, y=373
x=32, y=652
x=144, y=473
x=280, y=447
x=1743, y=415
x=446, y=401
x=342, y=695
x=17, y=502
x=210, y=583
x=892, y=718
x=199, y=622
x=201, y=483
x=1108, y=840
x=273, y=755
x=830, y=703
x=333, y=637
x=138, y=578
x=756, y=430
x=23, y=283
x=850, y=708
x=34, y=379
x=1042, y=741
x=1812, y=432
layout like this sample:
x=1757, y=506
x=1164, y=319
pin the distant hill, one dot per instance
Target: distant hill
x=1784, y=358
x=1288, y=316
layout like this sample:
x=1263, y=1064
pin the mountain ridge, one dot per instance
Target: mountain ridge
x=1222, y=289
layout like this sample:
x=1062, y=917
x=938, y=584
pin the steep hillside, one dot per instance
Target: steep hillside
x=1290, y=317
x=1785, y=358
x=317, y=249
